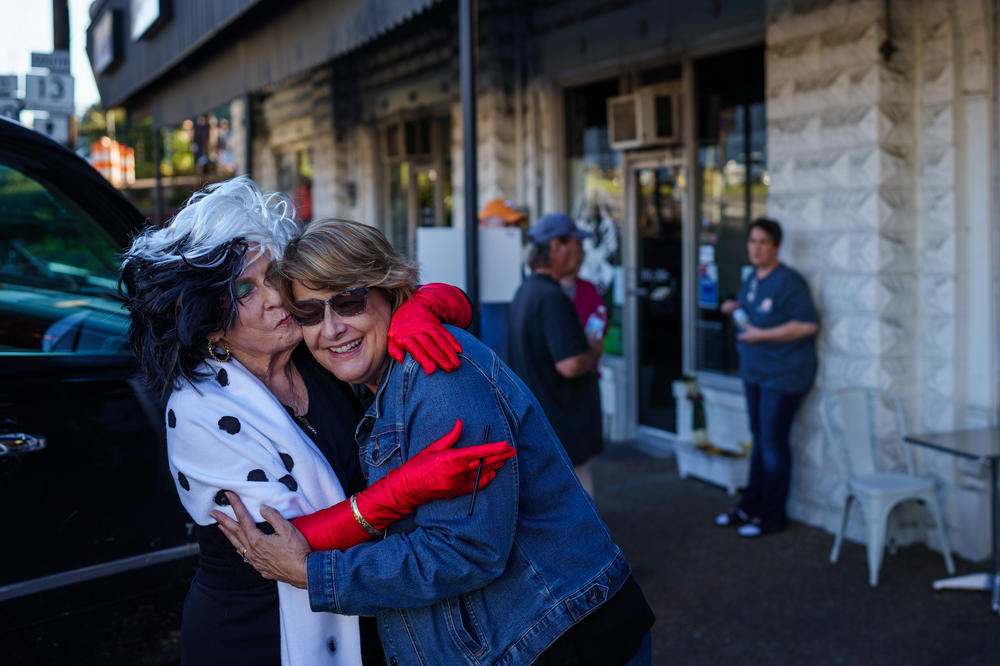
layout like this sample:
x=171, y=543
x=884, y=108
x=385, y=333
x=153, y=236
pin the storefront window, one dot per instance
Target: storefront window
x=198, y=151
x=418, y=188
x=731, y=185
x=595, y=195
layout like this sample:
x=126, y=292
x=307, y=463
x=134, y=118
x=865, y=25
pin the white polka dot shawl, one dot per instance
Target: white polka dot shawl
x=230, y=433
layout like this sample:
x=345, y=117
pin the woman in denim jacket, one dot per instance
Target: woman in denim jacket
x=524, y=573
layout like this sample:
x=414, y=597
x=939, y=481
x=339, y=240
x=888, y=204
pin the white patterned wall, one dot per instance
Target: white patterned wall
x=869, y=160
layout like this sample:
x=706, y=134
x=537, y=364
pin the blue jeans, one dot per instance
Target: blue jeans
x=771, y=414
x=644, y=657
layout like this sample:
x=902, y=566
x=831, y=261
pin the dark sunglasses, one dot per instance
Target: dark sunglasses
x=311, y=311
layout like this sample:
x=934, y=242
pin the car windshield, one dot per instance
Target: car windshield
x=58, y=272
x=48, y=242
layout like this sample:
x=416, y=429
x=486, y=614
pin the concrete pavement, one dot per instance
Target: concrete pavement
x=722, y=599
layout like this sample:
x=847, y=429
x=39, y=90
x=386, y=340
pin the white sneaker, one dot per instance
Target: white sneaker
x=750, y=530
x=731, y=517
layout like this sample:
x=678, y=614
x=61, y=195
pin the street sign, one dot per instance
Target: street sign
x=8, y=85
x=56, y=127
x=57, y=61
x=49, y=93
x=10, y=108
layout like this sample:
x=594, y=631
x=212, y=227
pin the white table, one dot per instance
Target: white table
x=982, y=444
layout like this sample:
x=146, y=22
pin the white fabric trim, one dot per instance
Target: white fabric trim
x=267, y=442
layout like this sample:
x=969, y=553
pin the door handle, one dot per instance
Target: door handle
x=19, y=443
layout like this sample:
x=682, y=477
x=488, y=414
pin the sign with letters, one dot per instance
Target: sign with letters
x=49, y=93
x=57, y=61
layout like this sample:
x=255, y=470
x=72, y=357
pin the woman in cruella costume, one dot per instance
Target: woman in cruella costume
x=249, y=410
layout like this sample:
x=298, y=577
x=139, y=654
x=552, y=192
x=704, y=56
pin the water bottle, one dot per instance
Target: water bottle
x=741, y=319
x=594, y=328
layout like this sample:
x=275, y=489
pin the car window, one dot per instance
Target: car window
x=58, y=273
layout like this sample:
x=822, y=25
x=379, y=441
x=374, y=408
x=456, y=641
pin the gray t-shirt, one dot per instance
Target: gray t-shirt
x=544, y=330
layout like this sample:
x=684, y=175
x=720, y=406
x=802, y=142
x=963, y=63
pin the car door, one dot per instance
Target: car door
x=83, y=477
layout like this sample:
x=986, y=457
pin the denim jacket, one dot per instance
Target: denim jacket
x=497, y=587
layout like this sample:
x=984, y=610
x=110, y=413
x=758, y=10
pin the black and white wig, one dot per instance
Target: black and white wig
x=179, y=280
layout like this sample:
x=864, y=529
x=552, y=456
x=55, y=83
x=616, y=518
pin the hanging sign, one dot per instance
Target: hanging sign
x=49, y=93
x=57, y=61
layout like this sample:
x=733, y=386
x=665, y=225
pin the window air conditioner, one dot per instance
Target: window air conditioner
x=649, y=116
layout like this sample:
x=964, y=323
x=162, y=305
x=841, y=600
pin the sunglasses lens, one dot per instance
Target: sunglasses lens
x=350, y=303
x=307, y=313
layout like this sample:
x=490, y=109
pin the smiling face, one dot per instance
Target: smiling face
x=761, y=249
x=355, y=349
x=263, y=328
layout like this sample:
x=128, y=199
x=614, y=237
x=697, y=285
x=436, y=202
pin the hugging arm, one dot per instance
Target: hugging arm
x=446, y=551
x=437, y=472
x=417, y=326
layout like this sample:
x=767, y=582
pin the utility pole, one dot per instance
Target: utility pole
x=467, y=11
x=60, y=25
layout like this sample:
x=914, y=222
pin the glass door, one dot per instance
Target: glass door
x=658, y=195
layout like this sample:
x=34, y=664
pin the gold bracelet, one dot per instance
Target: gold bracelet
x=361, y=519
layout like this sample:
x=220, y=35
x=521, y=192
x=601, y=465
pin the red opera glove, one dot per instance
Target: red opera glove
x=416, y=327
x=437, y=472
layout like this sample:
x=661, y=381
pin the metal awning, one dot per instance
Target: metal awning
x=184, y=70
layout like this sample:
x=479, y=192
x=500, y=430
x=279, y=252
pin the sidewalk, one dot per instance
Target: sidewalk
x=721, y=599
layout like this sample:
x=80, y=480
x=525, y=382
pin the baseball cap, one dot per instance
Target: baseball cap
x=502, y=208
x=555, y=225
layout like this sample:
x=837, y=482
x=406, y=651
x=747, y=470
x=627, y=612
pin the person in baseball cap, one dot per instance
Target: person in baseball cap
x=556, y=225
x=547, y=347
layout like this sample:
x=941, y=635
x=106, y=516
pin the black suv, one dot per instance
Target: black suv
x=83, y=476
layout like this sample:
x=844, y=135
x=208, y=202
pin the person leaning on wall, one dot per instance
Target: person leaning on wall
x=777, y=325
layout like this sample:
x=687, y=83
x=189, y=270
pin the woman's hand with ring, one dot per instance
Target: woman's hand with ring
x=279, y=556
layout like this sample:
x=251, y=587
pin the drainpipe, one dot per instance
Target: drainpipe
x=467, y=77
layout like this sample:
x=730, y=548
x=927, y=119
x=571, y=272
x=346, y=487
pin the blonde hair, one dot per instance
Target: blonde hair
x=340, y=254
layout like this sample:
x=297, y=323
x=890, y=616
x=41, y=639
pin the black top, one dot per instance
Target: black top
x=334, y=412
x=610, y=635
x=544, y=330
x=333, y=415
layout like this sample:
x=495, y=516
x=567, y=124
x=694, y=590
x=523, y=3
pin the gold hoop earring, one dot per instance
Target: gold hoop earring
x=213, y=347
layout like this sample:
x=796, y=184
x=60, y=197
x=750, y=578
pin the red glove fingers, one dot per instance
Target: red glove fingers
x=448, y=303
x=436, y=472
x=444, y=356
x=415, y=327
x=448, y=440
x=396, y=352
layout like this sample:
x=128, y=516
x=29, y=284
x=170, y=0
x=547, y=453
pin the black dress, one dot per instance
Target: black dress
x=231, y=613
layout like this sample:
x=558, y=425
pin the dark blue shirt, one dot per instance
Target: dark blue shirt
x=782, y=296
x=544, y=329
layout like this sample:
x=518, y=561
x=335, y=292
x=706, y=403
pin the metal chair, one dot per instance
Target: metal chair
x=872, y=462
